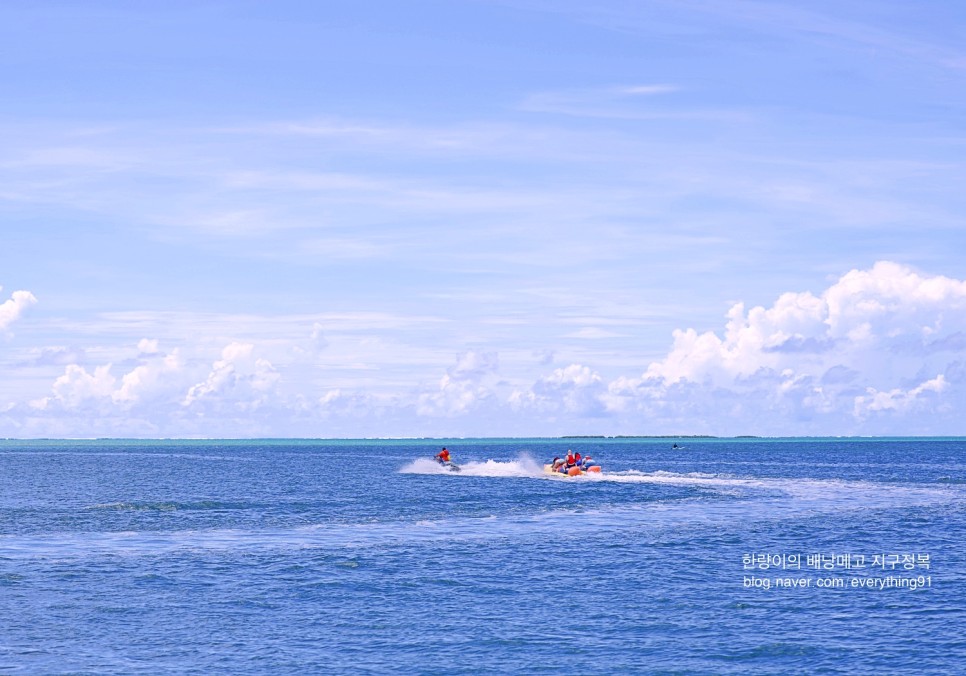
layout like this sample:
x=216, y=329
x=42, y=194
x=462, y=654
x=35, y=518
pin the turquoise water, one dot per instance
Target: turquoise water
x=364, y=556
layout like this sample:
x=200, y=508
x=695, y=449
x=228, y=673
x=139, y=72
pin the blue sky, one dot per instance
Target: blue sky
x=482, y=218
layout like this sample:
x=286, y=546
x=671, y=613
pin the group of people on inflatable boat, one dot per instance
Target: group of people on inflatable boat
x=563, y=465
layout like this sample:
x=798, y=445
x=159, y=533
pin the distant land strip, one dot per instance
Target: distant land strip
x=652, y=436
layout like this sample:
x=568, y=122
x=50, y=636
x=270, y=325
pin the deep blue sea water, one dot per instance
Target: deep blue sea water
x=365, y=557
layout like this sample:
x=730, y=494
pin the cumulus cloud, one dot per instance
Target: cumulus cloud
x=13, y=308
x=148, y=346
x=163, y=393
x=875, y=340
x=862, y=317
x=80, y=390
x=898, y=399
x=238, y=380
x=575, y=389
x=148, y=379
x=77, y=386
x=464, y=386
x=889, y=308
x=879, y=351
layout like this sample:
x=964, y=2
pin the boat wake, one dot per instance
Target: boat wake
x=782, y=494
x=523, y=466
x=799, y=490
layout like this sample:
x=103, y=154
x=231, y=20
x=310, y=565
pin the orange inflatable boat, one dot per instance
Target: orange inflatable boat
x=572, y=471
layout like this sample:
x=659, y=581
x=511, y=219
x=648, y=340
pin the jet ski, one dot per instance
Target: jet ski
x=451, y=466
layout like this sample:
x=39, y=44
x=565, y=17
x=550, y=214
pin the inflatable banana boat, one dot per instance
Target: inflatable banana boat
x=572, y=471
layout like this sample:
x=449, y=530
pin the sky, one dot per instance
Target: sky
x=464, y=218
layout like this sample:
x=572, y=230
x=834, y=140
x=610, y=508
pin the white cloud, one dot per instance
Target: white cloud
x=148, y=379
x=464, y=387
x=891, y=300
x=148, y=346
x=474, y=365
x=865, y=315
x=575, y=389
x=12, y=309
x=77, y=387
x=898, y=399
x=848, y=352
x=238, y=380
x=454, y=397
x=881, y=350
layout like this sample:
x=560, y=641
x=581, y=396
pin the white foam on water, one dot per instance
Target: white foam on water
x=425, y=466
x=786, y=493
x=522, y=466
x=764, y=497
x=837, y=493
x=669, y=478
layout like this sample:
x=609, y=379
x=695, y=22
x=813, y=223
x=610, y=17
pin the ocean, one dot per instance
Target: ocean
x=301, y=556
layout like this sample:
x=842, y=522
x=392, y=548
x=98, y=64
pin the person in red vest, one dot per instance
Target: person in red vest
x=443, y=456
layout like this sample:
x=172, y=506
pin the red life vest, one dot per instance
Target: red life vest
x=444, y=455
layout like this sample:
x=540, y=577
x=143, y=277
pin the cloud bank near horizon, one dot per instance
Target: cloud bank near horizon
x=879, y=351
